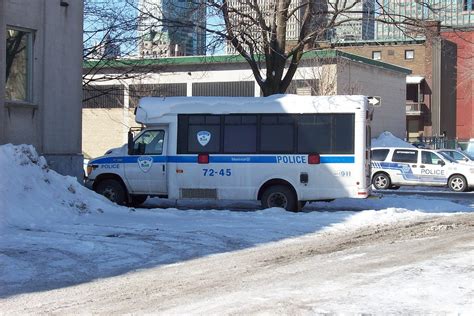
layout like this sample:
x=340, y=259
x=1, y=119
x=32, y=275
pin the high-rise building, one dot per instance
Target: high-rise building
x=172, y=28
x=244, y=27
x=450, y=13
x=356, y=18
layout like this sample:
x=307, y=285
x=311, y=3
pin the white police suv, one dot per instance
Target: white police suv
x=392, y=167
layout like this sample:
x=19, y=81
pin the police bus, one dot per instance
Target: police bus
x=283, y=150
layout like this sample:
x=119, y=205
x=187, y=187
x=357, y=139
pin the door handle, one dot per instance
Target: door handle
x=413, y=166
x=422, y=166
x=163, y=168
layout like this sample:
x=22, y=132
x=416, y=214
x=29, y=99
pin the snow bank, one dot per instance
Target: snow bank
x=387, y=139
x=31, y=193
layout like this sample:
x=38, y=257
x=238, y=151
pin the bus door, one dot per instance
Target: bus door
x=145, y=169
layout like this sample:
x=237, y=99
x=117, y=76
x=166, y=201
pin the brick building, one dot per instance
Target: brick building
x=431, y=105
x=464, y=81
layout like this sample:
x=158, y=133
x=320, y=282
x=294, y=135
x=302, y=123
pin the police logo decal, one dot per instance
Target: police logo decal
x=203, y=137
x=145, y=163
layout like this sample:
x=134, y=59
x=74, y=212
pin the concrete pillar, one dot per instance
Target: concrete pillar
x=2, y=71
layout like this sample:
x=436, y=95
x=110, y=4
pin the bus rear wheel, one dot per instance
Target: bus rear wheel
x=137, y=199
x=280, y=196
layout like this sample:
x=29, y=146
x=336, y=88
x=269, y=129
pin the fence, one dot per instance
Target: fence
x=437, y=142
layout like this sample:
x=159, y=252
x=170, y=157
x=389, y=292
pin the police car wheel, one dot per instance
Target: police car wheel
x=457, y=183
x=280, y=196
x=113, y=190
x=381, y=181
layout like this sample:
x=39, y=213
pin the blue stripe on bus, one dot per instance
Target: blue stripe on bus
x=217, y=159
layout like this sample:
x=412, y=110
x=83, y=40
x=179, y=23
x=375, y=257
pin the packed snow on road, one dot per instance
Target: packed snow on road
x=65, y=249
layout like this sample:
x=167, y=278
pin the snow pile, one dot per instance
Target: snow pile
x=387, y=139
x=31, y=193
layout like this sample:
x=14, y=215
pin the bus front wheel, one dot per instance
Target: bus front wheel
x=113, y=190
x=280, y=196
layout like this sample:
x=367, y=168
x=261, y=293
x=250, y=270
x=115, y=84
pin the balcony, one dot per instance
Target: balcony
x=414, y=108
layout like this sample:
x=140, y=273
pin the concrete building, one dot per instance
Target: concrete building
x=41, y=93
x=108, y=116
x=160, y=37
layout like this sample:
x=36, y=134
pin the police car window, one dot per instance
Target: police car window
x=149, y=143
x=447, y=157
x=379, y=154
x=430, y=158
x=457, y=156
x=409, y=156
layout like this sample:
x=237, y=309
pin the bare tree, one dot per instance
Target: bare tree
x=271, y=35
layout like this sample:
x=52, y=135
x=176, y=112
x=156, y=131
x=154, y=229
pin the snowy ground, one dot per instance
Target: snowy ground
x=64, y=249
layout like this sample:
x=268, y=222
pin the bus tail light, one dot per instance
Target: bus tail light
x=203, y=158
x=314, y=159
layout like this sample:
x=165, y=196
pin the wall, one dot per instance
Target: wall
x=358, y=78
x=104, y=129
x=417, y=65
x=464, y=81
x=52, y=120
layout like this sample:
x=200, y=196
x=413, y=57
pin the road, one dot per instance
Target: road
x=445, y=194
x=407, y=267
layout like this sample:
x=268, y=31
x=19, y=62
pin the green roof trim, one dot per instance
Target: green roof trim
x=220, y=59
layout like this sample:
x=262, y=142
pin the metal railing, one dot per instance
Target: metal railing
x=413, y=107
x=436, y=142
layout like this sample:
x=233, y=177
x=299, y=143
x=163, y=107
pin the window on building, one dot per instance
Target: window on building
x=376, y=55
x=468, y=5
x=409, y=54
x=103, y=96
x=19, y=53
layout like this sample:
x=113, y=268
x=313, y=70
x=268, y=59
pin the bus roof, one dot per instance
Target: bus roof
x=151, y=109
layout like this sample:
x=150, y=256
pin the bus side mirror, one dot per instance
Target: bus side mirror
x=130, y=143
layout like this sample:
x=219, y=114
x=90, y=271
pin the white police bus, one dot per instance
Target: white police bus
x=283, y=150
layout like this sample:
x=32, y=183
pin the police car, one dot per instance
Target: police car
x=392, y=167
x=458, y=155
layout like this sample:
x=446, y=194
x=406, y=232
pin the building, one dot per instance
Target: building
x=41, y=93
x=244, y=25
x=438, y=47
x=452, y=14
x=430, y=102
x=462, y=53
x=172, y=28
x=108, y=116
x=357, y=21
